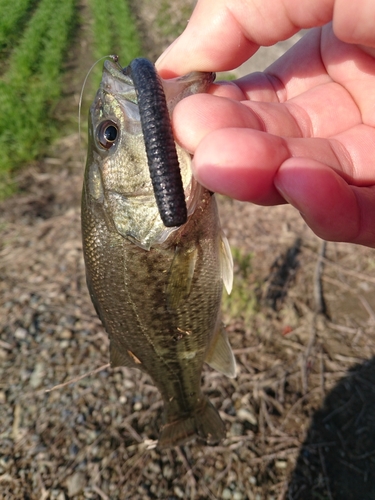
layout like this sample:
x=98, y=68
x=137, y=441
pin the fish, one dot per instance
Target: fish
x=157, y=290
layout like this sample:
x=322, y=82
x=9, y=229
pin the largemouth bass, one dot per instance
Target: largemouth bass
x=157, y=290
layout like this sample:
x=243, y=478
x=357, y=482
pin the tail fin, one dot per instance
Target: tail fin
x=204, y=423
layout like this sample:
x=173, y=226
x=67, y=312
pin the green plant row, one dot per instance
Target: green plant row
x=115, y=32
x=28, y=55
x=31, y=86
x=12, y=18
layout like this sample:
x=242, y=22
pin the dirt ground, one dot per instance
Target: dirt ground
x=299, y=416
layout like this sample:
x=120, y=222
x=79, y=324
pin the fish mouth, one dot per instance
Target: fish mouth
x=178, y=88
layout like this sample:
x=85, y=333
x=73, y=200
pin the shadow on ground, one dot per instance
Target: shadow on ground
x=337, y=459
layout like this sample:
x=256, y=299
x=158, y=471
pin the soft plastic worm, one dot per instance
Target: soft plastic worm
x=160, y=146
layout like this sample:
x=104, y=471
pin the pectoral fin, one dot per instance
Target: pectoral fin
x=220, y=355
x=226, y=263
x=181, y=275
x=123, y=357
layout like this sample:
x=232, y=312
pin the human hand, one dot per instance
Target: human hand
x=304, y=130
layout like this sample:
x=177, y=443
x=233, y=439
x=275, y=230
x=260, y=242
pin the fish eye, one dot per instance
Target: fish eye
x=107, y=133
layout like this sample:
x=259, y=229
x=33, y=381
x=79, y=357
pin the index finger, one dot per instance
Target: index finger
x=222, y=34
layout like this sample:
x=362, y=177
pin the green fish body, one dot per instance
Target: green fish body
x=157, y=290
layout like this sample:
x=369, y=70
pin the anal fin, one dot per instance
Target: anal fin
x=220, y=355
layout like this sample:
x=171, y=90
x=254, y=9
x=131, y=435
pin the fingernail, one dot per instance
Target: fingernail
x=284, y=193
x=281, y=190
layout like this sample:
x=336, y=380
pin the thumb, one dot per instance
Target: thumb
x=222, y=34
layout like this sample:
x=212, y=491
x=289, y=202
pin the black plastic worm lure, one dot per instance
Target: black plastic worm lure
x=160, y=146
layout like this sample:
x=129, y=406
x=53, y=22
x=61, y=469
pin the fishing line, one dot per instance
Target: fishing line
x=114, y=58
